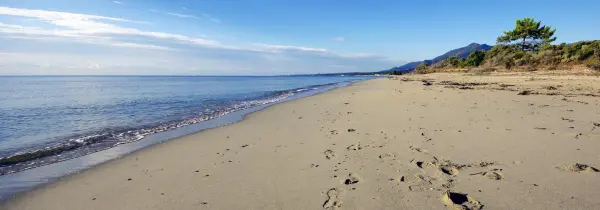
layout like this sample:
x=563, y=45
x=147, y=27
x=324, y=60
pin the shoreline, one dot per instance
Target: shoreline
x=376, y=144
x=102, y=138
x=54, y=172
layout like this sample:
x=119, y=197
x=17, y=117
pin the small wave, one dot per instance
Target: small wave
x=86, y=144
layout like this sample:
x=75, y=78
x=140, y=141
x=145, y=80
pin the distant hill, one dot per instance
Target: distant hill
x=462, y=52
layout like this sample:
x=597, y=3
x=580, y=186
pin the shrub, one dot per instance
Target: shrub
x=550, y=56
x=531, y=68
x=552, y=67
x=509, y=64
x=585, y=52
x=422, y=68
x=475, y=58
x=524, y=59
x=593, y=64
x=580, y=51
x=502, y=55
x=483, y=71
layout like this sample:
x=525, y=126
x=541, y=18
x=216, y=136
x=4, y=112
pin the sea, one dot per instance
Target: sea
x=53, y=126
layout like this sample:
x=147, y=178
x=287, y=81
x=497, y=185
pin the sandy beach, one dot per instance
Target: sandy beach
x=433, y=141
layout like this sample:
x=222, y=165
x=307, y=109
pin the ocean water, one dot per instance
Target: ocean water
x=50, y=119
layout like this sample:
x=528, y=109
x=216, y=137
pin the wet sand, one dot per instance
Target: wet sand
x=418, y=142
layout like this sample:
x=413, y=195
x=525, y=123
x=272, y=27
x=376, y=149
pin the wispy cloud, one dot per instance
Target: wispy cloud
x=80, y=25
x=141, y=46
x=181, y=15
x=102, y=33
x=280, y=48
x=117, y=2
x=339, y=39
x=56, y=18
x=211, y=18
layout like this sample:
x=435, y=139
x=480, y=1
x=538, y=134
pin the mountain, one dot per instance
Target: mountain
x=462, y=52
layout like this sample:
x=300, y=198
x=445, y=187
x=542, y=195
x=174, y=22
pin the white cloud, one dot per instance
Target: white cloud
x=339, y=39
x=117, y=2
x=186, y=54
x=51, y=16
x=88, y=25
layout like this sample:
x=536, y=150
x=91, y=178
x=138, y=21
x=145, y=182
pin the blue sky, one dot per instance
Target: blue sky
x=259, y=37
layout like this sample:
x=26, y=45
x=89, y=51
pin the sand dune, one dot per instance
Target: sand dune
x=420, y=142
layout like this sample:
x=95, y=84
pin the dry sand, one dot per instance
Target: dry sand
x=469, y=142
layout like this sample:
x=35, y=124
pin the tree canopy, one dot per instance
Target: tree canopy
x=528, y=47
x=531, y=35
x=475, y=58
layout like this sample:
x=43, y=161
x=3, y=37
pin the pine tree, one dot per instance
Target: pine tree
x=531, y=35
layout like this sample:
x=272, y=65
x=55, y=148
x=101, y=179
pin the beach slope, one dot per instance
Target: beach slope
x=420, y=142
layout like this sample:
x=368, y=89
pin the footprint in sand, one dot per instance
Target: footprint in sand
x=418, y=182
x=352, y=179
x=422, y=164
x=449, y=170
x=462, y=201
x=355, y=147
x=578, y=167
x=493, y=175
x=334, y=201
x=386, y=156
x=418, y=149
x=329, y=154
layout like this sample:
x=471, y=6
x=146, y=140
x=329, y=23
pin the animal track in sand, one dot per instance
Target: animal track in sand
x=334, y=199
x=455, y=200
x=329, y=154
x=578, y=167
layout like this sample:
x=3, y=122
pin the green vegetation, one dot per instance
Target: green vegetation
x=396, y=72
x=527, y=47
x=474, y=59
x=529, y=34
x=593, y=64
x=422, y=68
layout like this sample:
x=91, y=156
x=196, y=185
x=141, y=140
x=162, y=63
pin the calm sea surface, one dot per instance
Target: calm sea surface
x=49, y=119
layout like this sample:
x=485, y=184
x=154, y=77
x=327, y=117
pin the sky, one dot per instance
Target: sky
x=259, y=37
